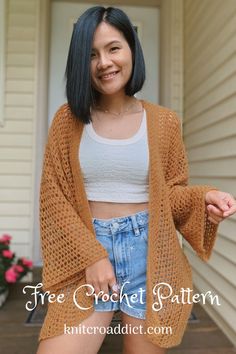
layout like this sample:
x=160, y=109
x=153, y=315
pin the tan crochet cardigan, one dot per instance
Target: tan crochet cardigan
x=68, y=239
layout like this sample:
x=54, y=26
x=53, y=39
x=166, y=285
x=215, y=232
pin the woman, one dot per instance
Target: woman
x=113, y=192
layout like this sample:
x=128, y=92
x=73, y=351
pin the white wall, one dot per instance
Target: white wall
x=210, y=137
x=17, y=134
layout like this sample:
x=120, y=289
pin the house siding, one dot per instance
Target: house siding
x=209, y=130
x=17, y=133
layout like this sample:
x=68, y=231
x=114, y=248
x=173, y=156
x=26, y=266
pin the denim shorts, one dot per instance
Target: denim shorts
x=125, y=239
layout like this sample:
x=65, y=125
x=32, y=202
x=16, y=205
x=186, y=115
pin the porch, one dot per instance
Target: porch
x=202, y=336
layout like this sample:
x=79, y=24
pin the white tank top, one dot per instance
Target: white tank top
x=115, y=170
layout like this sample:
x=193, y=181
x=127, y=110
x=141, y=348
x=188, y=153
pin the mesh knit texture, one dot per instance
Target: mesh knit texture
x=68, y=238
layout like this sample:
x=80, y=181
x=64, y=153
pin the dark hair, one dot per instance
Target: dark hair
x=80, y=93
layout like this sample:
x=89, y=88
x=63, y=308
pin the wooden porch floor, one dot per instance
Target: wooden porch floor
x=203, y=337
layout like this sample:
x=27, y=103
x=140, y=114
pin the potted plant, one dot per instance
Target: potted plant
x=11, y=268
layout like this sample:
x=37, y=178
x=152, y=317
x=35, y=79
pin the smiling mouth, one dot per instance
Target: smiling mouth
x=108, y=76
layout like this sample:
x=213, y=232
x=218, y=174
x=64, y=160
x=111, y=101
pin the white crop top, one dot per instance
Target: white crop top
x=115, y=170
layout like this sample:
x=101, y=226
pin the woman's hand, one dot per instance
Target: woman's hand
x=220, y=205
x=101, y=276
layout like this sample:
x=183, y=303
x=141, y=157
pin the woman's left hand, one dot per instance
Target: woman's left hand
x=220, y=205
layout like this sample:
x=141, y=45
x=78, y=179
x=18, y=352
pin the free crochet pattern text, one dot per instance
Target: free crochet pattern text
x=161, y=293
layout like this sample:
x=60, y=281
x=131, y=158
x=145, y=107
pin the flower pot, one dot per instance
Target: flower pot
x=3, y=295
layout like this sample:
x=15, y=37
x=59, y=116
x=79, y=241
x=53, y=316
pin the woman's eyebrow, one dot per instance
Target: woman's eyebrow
x=109, y=43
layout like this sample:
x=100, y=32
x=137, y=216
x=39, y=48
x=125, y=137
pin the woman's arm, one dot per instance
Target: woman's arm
x=187, y=202
x=68, y=246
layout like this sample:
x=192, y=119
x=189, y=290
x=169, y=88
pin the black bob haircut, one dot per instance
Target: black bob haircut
x=79, y=91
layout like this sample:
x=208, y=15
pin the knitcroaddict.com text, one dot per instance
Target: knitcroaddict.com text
x=161, y=293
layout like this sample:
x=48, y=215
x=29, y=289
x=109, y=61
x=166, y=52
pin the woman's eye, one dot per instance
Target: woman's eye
x=114, y=48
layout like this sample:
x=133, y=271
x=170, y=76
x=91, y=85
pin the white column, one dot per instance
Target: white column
x=171, y=55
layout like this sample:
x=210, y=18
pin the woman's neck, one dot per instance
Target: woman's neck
x=116, y=103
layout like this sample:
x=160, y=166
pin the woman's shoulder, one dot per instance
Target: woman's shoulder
x=63, y=118
x=163, y=113
x=62, y=123
x=63, y=113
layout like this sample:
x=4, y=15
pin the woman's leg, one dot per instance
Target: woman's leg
x=79, y=343
x=136, y=343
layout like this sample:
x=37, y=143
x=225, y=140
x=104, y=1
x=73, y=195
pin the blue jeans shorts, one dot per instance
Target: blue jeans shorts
x=125, y=239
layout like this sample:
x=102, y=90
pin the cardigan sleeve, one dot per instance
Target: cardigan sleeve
x=68, y=246
x=188, y=201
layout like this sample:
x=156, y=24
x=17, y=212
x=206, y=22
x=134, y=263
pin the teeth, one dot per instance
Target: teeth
x=107, y=76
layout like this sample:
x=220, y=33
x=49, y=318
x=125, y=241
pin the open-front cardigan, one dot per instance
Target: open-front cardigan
x=68, y=238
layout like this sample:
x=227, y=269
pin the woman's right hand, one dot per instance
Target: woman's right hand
x=101, y=276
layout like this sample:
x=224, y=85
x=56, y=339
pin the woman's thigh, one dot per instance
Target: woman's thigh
x=84, y=343
x=137, y=343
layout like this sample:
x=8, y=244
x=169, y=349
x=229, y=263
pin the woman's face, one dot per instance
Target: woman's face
x=111, y=60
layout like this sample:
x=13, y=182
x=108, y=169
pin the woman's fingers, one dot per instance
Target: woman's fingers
x=100, y=276
x=101, y=290
x=215, y=214
x=97, y=290
x=213, y=220
x=218, y=201
x=105, y=292
x=115, y=288
x=232, y=207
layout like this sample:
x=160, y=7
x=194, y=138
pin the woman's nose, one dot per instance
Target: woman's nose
x=103, y=61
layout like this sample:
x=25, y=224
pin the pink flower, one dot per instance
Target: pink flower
x=7, y=254
x=18, y=268
x=26, y=262
x=5, y=238
x=11, y=275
